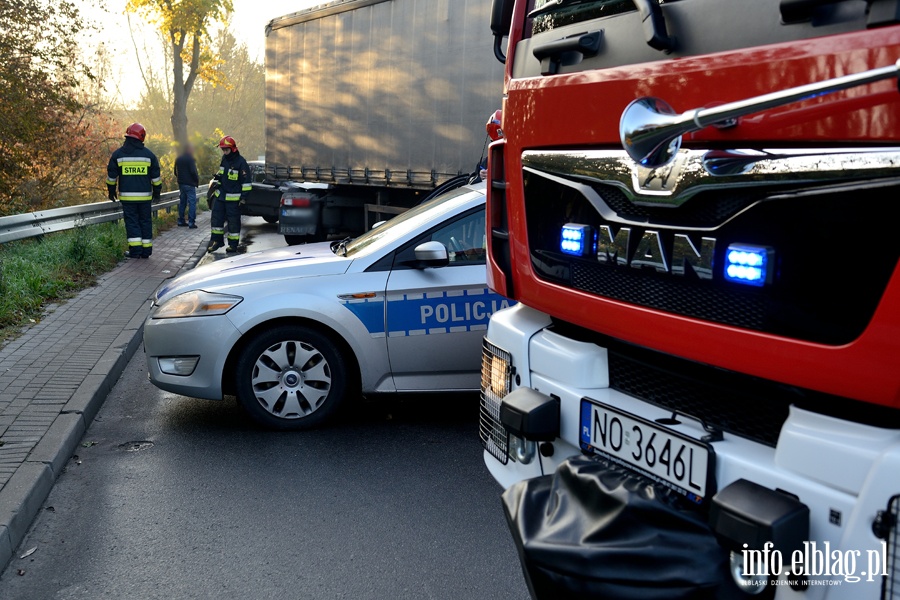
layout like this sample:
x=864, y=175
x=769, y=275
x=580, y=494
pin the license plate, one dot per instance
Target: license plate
x=664, y=455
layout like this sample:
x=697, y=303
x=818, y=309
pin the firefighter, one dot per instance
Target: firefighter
x=493, y=128
x=234, y=185
x=494, y=132
x=136, y=169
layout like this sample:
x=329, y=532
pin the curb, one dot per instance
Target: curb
x=21, y=498
x=195, y=258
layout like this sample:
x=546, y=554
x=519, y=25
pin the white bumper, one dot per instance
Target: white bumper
x=844, y=472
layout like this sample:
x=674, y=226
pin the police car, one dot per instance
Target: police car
x=292, y=332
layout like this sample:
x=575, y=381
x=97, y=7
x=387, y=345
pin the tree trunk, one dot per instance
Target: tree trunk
x=179, y=115
x=181, y=87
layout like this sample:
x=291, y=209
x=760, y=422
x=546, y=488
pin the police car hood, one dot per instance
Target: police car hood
x=309, y=260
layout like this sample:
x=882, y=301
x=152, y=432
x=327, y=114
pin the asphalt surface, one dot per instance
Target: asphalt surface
x=170, y=497
x=256, y=235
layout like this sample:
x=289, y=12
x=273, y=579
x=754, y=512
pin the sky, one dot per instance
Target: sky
x=248, y=24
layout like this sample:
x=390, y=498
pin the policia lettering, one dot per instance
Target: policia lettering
x=136, y=171
x=234, y=185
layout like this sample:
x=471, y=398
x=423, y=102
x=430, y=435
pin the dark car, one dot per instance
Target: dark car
x=264, y=199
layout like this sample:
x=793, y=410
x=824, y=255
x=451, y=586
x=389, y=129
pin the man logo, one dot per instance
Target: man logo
x=613, y=249
x=661, y=181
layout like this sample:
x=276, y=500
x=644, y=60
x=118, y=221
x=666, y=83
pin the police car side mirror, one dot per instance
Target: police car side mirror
x=431, y=254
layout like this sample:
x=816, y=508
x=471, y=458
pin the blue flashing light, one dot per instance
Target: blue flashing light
x=576, y=239
x=748, y=265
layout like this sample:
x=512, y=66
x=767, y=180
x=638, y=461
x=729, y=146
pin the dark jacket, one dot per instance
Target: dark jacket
x=137, y=170
x=234, y=177
x=186, y=170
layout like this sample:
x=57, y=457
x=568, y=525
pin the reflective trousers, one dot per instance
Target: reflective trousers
x=138, y=227
x=230, y=211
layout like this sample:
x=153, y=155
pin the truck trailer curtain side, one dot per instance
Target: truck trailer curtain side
x=380, y=92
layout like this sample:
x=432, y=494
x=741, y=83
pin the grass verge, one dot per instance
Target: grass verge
x=54, y=267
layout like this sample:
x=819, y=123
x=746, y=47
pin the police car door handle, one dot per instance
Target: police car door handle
x=567, y=51
x=651, y=130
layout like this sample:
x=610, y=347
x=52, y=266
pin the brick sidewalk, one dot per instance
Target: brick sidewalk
x=70, y=352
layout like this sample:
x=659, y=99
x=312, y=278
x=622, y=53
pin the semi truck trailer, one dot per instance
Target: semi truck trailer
x=698, y=392
x=381, y=100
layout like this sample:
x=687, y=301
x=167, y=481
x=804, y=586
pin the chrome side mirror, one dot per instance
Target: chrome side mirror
x=431, y=254
x=651, y=130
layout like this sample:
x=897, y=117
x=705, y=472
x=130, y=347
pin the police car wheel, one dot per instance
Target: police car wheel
x=292, y=377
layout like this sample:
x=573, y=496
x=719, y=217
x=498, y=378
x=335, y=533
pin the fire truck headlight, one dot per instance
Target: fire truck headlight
x=576, y=239
x=749, y=265
x=499, y=376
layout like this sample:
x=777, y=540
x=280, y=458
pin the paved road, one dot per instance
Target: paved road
x=256, y=234
x=392, y=502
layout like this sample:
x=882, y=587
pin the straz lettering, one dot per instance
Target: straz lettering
x=649, y=252
x=134, y=170
x=233, y=175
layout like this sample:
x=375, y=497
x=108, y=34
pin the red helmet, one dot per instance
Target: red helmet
x=136, y=131
x=493, y=126
x=228, y=142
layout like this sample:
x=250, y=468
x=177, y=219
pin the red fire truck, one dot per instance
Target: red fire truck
x=698, y=392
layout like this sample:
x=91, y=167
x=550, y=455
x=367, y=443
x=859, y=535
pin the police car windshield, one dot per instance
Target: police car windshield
x=406, y=222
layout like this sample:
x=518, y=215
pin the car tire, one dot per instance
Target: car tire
x=293, y=240
x=291, y=377
x=271, y=219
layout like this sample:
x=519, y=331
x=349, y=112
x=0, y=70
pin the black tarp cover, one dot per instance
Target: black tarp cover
x=595, y=530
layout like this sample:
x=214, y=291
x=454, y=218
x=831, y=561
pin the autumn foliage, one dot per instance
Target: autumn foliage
x=58, y=123
x=53, y=141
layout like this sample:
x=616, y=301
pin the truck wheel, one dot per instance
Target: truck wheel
x=293, y=240
x=271, y=219
x=291, y=377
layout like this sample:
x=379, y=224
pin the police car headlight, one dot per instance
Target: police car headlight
x=196, y=304
x=178, y=365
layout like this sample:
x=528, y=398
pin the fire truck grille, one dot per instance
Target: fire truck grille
x=725, y=408
x=821, y=285
x=731, y=307
x=891, y=586
x=495, y=384
x=706, y=209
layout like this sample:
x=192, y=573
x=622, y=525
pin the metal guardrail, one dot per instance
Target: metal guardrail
x=28, y=225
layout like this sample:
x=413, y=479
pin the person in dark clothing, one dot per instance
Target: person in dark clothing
x=188, y=180
x=136, y=169
x=234, y=184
